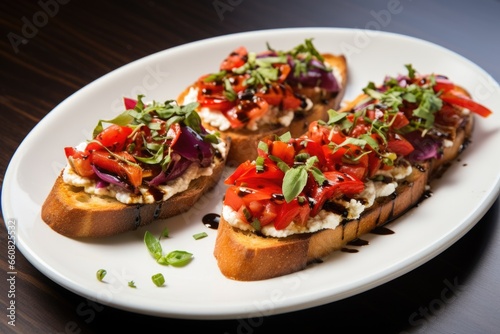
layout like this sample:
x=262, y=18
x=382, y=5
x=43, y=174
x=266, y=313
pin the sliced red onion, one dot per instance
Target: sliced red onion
x=317, y=75
x=174, y=170
x=110, y=179
x=425, y=147
x=189, y=139
x=101, y=184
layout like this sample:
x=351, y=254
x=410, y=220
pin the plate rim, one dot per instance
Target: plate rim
x=403, y=267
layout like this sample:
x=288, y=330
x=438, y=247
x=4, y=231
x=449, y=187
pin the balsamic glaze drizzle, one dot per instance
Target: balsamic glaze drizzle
x=211, y=220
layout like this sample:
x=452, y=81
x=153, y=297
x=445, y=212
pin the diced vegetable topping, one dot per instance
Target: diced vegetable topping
x=249, y=84
x=146, y=144
x=404, y=120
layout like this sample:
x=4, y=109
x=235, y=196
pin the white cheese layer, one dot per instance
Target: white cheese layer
x=144, y=196
x=325, y=219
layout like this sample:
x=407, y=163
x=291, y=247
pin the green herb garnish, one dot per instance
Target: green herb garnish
x=156, y=151
x=178, y=258
x=158, y=279
x=100, y=274
x=175, y=258
x=296, y=178
x=200, y=235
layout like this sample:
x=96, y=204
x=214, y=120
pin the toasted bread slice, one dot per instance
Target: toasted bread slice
x=244, y=141
x=246, y=256
x=72, y=212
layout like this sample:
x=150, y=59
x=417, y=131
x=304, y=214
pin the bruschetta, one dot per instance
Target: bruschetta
x=255, y=95
x=306, y=197
x=153, y=161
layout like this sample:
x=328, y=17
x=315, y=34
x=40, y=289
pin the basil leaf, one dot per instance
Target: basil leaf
x=318, y=176
x=285, y=137
x=178, y=258
x=311, y=161
x=153, y=245
x=294, y=182
x=335, y=117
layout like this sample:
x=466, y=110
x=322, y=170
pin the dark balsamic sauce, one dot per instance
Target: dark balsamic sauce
x=157, y=212
x=381, y=230
x=138, y=219
x=358, y=242
x=156, y=193
x=211, y=220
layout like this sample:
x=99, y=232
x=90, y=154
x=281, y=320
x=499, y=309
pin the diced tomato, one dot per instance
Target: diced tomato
x=399, y=120
x=357, y=170
x=400, y=146
x=306, y=145
x=235, y=59
x=208, y=87
x=284, y=151
x=269, y=213
x=374, y=163
x=238, y=82
x=318, y=133
x=238, y=172
x=359, y=129
x=258, y=107
x=256, y=208
x=347, y=184
x=245, y=111
x=215, y=102
x=129, y=171
x=291, y=211
x=257, y=192
x=233, y=199
x=271, y=173
x=284, y=69
x=465, y=102
x=338, y=183
x=79, y=161
x=282, y=96
x=113, y=137
x=291, y=102
x=333, y=157
x=355, y=163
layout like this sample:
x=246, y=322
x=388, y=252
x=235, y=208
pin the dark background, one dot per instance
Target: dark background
x=76, y=42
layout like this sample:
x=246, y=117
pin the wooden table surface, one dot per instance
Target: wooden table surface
x=52, y=48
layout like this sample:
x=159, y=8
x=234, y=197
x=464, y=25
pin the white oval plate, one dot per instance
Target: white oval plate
x=199, y=291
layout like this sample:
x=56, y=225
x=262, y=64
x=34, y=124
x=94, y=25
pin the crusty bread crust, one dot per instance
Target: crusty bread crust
x=246, y=256
x=245, y=141
x=70, y=211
